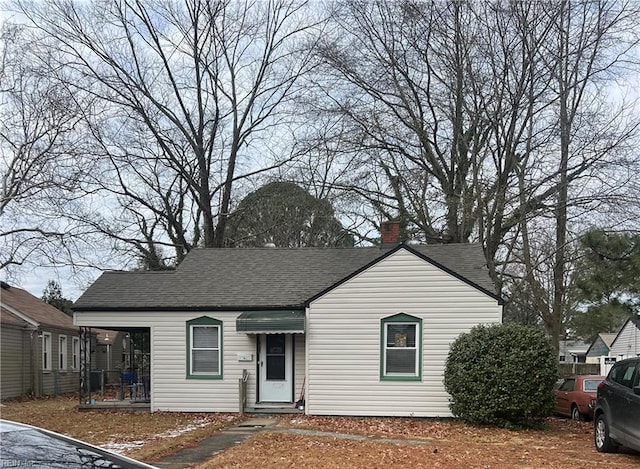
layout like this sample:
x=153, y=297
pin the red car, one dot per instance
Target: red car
x=576, y=396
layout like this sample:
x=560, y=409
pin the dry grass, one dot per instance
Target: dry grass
x=450, y=444
x=141, y=435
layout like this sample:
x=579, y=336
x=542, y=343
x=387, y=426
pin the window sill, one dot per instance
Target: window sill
x=206, y=377
x=400, y=378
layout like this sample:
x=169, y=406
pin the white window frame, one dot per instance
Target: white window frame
x=75, y=353
x=46, y=351
x=193, y=349
x=62, y=352
x=401, y=319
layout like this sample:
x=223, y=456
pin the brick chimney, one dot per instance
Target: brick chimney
x=390, y=232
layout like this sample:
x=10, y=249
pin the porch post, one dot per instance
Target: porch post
x=242, y=391
x=85, y=365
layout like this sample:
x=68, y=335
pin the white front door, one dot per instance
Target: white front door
x=275, y=368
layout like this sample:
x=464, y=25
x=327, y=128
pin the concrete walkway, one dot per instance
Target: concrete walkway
x=235, y=435
x=211, y=446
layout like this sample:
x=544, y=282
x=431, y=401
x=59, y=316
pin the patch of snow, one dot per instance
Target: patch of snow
x=121, y=447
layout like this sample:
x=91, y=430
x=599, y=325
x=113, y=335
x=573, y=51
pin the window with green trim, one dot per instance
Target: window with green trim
x=401, y=348
x=204, y=348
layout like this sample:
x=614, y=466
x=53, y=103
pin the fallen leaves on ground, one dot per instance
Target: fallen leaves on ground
x=141, y=435
x=448, y=444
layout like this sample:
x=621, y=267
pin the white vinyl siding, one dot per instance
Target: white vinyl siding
x=342, y=345
x=344, y=341
x=299, y=365
x=627, y=342
x=46, y=351
x=171, y=390
x=62, y=352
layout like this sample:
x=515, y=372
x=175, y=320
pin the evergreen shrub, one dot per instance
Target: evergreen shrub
x=502, y=375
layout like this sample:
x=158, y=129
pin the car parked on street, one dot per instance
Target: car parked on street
x=576, y=396
x=27, y=446
x=617, y=412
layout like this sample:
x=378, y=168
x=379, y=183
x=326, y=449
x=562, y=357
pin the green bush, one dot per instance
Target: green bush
x=502, y=375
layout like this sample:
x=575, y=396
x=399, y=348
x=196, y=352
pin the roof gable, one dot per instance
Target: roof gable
x=33, y=310
x=264, y=278
x=631, y=322
x=607, y=338
x=421, y=255
x=9, y=318
x=602, y=342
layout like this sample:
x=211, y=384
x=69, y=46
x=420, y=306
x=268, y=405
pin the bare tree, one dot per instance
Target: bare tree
x=42, y=161
x=187, y=93
x=441, y=100
x=588, y=48
x=487, y=122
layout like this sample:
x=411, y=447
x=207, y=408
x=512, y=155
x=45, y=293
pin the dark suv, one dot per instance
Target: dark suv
x=617, y=414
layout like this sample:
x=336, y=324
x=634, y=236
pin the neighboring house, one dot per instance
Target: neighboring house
x=40, y=346
x=364, y=331
x=111, y=357
x=601, y=345
x=627, y=341
x=573, y=351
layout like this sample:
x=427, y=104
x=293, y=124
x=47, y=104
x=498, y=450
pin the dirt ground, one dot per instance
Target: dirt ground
x=448, y=443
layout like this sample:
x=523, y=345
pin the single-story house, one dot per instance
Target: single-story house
x=601, y=345
x=40, y=348
x=627, y=342
x=355, y=331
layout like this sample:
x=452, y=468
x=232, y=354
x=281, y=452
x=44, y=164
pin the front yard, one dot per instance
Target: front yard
x=449, y=444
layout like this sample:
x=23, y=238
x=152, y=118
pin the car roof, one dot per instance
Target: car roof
x=584, y=377
x=32, y=437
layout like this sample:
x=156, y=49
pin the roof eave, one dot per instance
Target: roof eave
x=235, y=308
x=21, y=315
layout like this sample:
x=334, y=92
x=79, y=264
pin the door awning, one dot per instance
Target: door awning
x=271, y=322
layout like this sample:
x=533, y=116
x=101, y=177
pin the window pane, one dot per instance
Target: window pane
x=46, y=351
x=622, y=374
x=275, y=344
x=401, y=361
x=205, y=337
x=401, y=335
x=76, y=351
x=567, y=385
x=275, y=367
x=205, y=361
x=591, y=385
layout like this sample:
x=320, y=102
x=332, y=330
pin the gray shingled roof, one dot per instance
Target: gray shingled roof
x=261, y=277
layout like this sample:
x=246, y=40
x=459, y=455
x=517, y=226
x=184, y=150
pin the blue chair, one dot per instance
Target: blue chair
x=128, y=381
